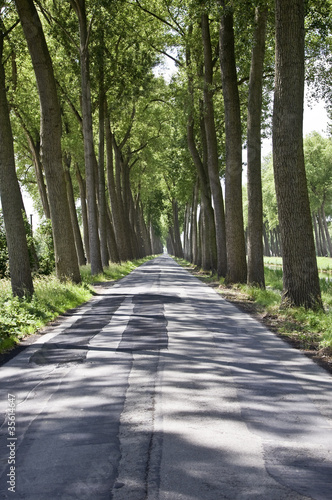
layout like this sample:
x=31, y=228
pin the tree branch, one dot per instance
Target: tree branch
x=159, y=18
x=47, y=14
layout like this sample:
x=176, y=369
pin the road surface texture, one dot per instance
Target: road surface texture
x=159, y=389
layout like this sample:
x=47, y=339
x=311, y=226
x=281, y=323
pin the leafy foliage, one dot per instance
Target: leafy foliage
x=3, y=249
x=45, y=247
x=318, y=162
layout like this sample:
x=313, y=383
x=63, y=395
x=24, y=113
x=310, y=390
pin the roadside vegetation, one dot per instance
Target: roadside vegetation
x=305, y=329
x=22, y=317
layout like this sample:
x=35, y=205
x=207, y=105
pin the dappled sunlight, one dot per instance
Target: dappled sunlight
x=159, y=388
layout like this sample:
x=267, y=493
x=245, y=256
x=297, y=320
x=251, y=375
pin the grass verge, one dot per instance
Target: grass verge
x=306, y=330
x=22, y=317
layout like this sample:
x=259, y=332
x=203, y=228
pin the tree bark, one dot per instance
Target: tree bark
x=186, y=232
x=207, y=246
x=194, y=228
x=236, y=255
x=111, y=241
x=64, y=245
x=267, y=250
x=326, y=230
x=322, y=238
x=11, y=200
x=155, y=241
x=122, y=199
x=81, y=185
x=118, y=226
x=176, y=231
x=255, y=273
x=212, y=149
x=89, y=152
x=73, y=214
x=316, y=231
x=144, y=235
x=300, y=273
x=101, y=179
x=34, y=146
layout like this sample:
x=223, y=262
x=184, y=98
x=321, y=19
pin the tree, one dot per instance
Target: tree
x=89, y=153
x=318, y=164
x=66, y=257
x=11, y=198
x=254, y=184
x=212, y=149
x=300, y=274
x=207, y=256
x=236, y=256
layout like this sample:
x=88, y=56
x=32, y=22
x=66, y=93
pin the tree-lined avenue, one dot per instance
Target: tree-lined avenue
x=159, y=389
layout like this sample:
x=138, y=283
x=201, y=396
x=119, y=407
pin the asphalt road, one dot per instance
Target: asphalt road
x=158, y=389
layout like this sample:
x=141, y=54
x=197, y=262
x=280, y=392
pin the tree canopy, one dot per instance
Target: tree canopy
x=144, y=158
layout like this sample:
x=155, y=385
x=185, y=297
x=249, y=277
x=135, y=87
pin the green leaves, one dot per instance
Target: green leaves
x=318, y=162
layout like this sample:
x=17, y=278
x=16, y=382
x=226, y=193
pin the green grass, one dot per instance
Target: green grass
x=308, y=326
x=324, y=263
x=22, y=317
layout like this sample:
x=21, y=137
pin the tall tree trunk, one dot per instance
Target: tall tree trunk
x=73, y=214
x=101, y=178
x=35, y=151
x=89, y=152
x=122, y=197
x=267, y=249
x=129, y=206
x=156, y=246
x=273, y=247
x=236, y=254
x=118, y=226
x=11, y=199
x=34, y=147
x=199, y=238
x=64, y=245
x=136, y=223
x=194, y=228
x=322, y=238
x=170, y=242
x=212, y=149
x=176, y=231
x=326, y=230
x=317, y=239
x=143, y=228
x=111, y=241
x=276, y=242
x=300, y=273
x=255, y=273
x=208, y=247
x=209, y=250
x=81, y=185
x=186, y=232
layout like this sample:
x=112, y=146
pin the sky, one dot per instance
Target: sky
x=314, y=119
